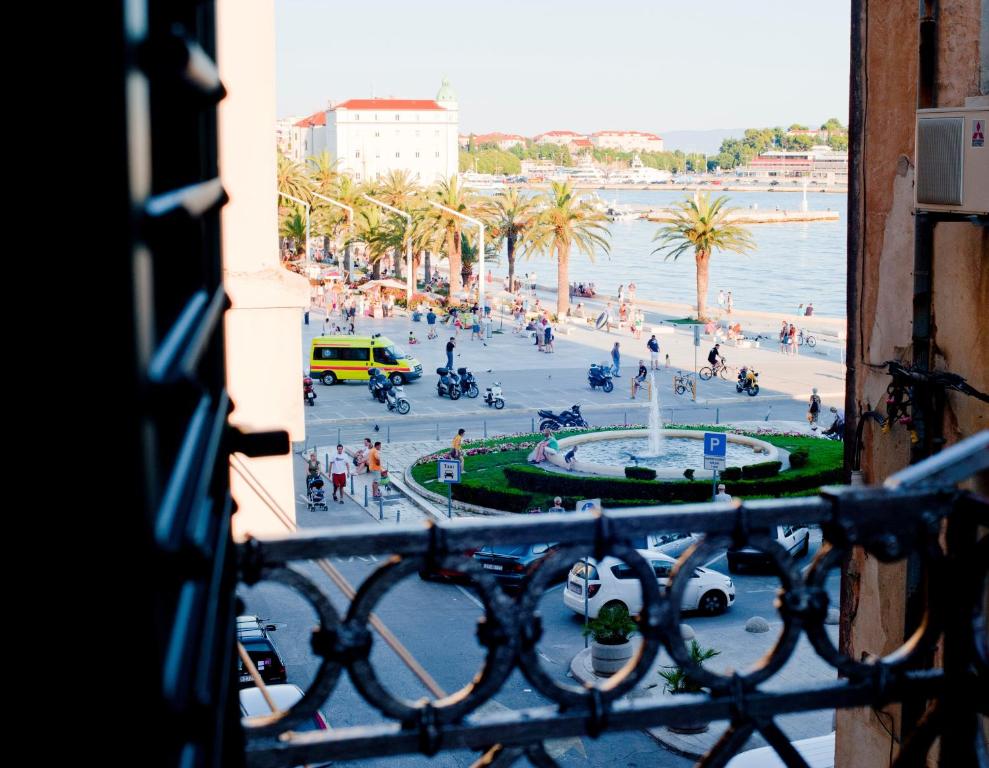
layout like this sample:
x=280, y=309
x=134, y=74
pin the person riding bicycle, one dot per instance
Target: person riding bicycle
x=714, y=357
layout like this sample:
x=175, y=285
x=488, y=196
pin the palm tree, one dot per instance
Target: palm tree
x=293, y=227
x=702, y=226
x=400, y=190
x=449, y=193
x=370, y=230
x=322, y=173
x=292, y=178
x=511, y=216
x=348, y=192
x=566, y=222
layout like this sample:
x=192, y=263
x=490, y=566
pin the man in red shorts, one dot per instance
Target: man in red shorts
x=339, y=469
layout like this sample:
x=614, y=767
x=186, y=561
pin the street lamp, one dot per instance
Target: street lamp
x=480, y=248
x=409, y=276
x=303, y=202
x=338, y=204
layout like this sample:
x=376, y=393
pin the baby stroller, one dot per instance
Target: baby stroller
x=315, y=494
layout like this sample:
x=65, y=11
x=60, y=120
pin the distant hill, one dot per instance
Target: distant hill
x=708, y=142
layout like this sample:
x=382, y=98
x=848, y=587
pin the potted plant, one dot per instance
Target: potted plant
x=610, y=632
x=678, y=681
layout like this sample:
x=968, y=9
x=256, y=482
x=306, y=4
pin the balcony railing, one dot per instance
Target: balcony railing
x=909, y=516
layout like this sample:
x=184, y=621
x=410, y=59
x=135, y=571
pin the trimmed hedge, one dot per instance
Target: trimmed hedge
x=510, y=501
x=640, y=473
x=762, y=470
x=799, y=458
x=535, y=480
x=732, y=473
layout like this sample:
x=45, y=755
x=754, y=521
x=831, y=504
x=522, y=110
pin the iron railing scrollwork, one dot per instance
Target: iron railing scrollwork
x=890, y=523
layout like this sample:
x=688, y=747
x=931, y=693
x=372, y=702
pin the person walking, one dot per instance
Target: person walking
x=810, y=310
x=793, y=339
x=621, y=294
x=557, y=505
x=450, y=346
x=457, y=450
x=547, y=336
x=784, y=337
x=313, y=464
x=339, y=469
x=653, y=345
x=431, y=322
x=616, y=360
x=374, y=467
x=721, y=298
x=814, y=409
x=729, y=302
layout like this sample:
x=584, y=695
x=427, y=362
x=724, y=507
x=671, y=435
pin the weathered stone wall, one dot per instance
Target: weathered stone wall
x=873, y=602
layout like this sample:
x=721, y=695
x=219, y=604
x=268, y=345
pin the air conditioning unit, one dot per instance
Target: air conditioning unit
x=952, y=160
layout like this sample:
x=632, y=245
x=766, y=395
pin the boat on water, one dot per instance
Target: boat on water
x=618, y=212
x=637, y=173
x=474, y=180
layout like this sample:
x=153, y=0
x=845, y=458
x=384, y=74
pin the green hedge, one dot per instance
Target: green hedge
x=640, y=473
x=510, y=501
x=535, y=480
x=731, y=473
x=799, y=458
x=762, y=470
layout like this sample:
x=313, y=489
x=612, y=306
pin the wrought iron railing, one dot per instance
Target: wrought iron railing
x=909, y=514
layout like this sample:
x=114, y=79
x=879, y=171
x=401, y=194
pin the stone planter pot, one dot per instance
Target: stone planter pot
x=608, y=659
x=687, y=728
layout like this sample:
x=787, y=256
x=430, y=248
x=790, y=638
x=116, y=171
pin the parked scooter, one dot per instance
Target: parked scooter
x=468, y=384
x=448, y=384
x=308, y=393
x=600, y=376
x=569, y=418
x=748, y=381
x=376, y=384
x=395, y=399
x=492, y=396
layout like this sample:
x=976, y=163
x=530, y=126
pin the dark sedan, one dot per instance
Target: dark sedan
x=509, y=564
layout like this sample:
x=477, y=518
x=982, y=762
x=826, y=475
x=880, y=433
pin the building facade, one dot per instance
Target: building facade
x=501, y=140
x=308, y=137
x=627, y=141
x=371, y=137
x=819, y=164
x=563, y=138
x=285, y=134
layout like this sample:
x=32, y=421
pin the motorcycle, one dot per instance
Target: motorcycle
x=748, y=381
x=569, y=418
x=492, y=396
x=395, y=399
x=468, y=384
x=376, y=384
x=308, y=393
x=449, y=384
x=600, y=376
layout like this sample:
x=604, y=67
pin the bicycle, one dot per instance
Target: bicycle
x=682, y=382
x=719, y=369
x=808, y=339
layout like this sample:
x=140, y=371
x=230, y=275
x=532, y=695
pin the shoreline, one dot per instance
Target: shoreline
x=836, y=189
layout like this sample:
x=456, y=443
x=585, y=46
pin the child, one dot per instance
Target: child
x=412, y=338
x=571, y=458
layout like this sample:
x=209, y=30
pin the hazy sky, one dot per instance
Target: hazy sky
x=528, y=67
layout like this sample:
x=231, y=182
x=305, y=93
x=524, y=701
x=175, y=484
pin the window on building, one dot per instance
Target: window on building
x=436, y=132
x=357, y=117
x=417, y=133
x=397, y=154
x=417, y=154
x=357, y=153
x=357, y=176
x=398, y=117
x=377, y=134
x=437, y=154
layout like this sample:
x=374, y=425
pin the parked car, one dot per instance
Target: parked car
x=510, y=564
x=253, y=704
x=795, y=539
x=446, y=574
x=252, y=633
x=612, y=582
x=672, y=544
x=817, y=752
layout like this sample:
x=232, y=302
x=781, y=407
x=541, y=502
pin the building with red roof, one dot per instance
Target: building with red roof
x=628, y=141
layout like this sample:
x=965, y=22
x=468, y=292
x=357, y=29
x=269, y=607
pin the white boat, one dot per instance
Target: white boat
x=474, y=180
x=637, y=173
x=618, y=212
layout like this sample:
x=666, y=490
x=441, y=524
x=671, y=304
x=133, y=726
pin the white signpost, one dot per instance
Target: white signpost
x=448, y=471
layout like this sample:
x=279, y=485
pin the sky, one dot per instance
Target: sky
x=540, y=65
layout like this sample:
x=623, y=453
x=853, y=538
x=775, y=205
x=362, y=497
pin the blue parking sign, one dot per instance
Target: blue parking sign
x=715, y=444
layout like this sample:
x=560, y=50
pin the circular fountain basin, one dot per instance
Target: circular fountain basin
x=605, y=453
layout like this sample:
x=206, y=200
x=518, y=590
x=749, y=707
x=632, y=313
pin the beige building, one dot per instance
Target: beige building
x=627, y=141
x=563, y=138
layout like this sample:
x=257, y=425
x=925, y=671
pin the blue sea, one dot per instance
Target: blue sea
x=792, y=263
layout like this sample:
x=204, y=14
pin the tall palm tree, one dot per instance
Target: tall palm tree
x=370, y=230
x=512, y=215
x=702, y=225
x=449, y=193
x=322, y=174
x=293, y=228
x=401, y=190
x=291, y=178
x=566, y=222
x=348, y=192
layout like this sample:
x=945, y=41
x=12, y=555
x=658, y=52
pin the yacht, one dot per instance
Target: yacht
x=474, y=180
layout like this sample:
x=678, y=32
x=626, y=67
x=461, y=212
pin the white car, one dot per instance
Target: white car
x=795, y=539
x=672, y=544
x=612, y=582
x=817, y=752
x=253, y=704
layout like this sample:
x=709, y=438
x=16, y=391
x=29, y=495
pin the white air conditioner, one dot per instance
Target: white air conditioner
x=952, y=160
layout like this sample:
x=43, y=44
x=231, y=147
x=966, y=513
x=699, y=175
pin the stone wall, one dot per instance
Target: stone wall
x=873, y=599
